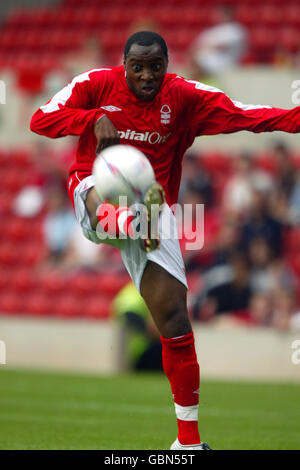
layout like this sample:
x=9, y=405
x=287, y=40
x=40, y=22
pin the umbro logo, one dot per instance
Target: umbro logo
x=111, y=108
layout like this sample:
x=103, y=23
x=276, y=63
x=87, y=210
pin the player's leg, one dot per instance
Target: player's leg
x=117, y=221
x=165, y=297
x=113, y=220
x=92, y=202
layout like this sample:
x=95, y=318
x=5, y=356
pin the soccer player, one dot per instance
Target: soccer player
x=159, y=113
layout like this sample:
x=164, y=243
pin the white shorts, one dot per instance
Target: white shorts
x=168, y=256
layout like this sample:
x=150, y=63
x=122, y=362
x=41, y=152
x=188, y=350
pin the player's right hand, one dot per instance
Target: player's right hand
x=106, y=134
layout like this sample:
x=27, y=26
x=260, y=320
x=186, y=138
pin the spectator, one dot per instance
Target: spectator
x=220, y=47
x=260, y=223
x=59, y=226
x=226, y=288
x=238, y=191
x=143, y=346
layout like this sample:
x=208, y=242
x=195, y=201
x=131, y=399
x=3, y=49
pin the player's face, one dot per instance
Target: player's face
x=145, y=67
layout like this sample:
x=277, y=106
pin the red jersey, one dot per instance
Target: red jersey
x=163, y=129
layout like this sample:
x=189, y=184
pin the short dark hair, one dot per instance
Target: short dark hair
x=146, y=38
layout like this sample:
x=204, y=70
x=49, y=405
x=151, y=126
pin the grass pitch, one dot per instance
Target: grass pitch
x=40, y=410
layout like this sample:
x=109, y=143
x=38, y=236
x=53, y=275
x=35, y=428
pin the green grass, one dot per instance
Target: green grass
x=40, y=410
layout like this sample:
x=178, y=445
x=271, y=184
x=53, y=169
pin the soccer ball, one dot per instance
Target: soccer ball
x=122, y=170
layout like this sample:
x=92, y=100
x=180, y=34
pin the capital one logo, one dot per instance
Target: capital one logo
x=148, y=136
x=2, y=352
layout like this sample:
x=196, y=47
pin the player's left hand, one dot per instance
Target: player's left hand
x=106, y=134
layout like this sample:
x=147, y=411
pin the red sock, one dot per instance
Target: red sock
x=182, y=369
x=115, y=220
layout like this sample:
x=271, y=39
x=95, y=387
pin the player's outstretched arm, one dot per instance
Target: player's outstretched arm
x=215, y=113
x=69, y=112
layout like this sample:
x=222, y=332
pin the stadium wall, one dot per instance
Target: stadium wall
x=238, y=353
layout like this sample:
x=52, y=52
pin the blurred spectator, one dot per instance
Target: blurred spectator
x=143, y=345
x=260, y=257
x=226, y=288
x=260, y=223
x=59, y=225
x=285, y=201
x=221, y=46
x=239, y=190
x=260, y=308
x=194, y=177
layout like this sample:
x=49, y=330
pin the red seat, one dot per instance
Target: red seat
x=92, y=17
x=290, y=14
x=23, y=281
x=53, y=283
x=6, y=201
x=18, y=230
x=262, y=44
x=110, y=284
x=246, y=14
x=83, y=284
x=10, y=303
x=5, y=277
x=13, y=181
x=44, y=18
x=19, y=19
x=9, y=254
x=67, y=305
x=33, y=253
x=96, y=307
x=10, y=40
x=269, y=15
x=20, y=158
x=289, y=39
x=38, y=303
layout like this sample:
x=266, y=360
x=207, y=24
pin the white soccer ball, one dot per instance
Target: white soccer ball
x=122, y=171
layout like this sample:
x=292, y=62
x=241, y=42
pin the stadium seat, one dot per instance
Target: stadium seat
x=269, y=15
x=32, y=253
x=289, y=38
x=23, y=281
x=262, y=43
x=67, y=305
x=246, y=15
x=96, y=307
x=13, y=181
x=44, y=18
x=18, y=19
x=110, y=284
x=10, y=303
x=19, y=230
x=83, y=284
x=9, y=254
x=37, y=303
x=53, y=283
x=5, y=276
x=290, y=14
